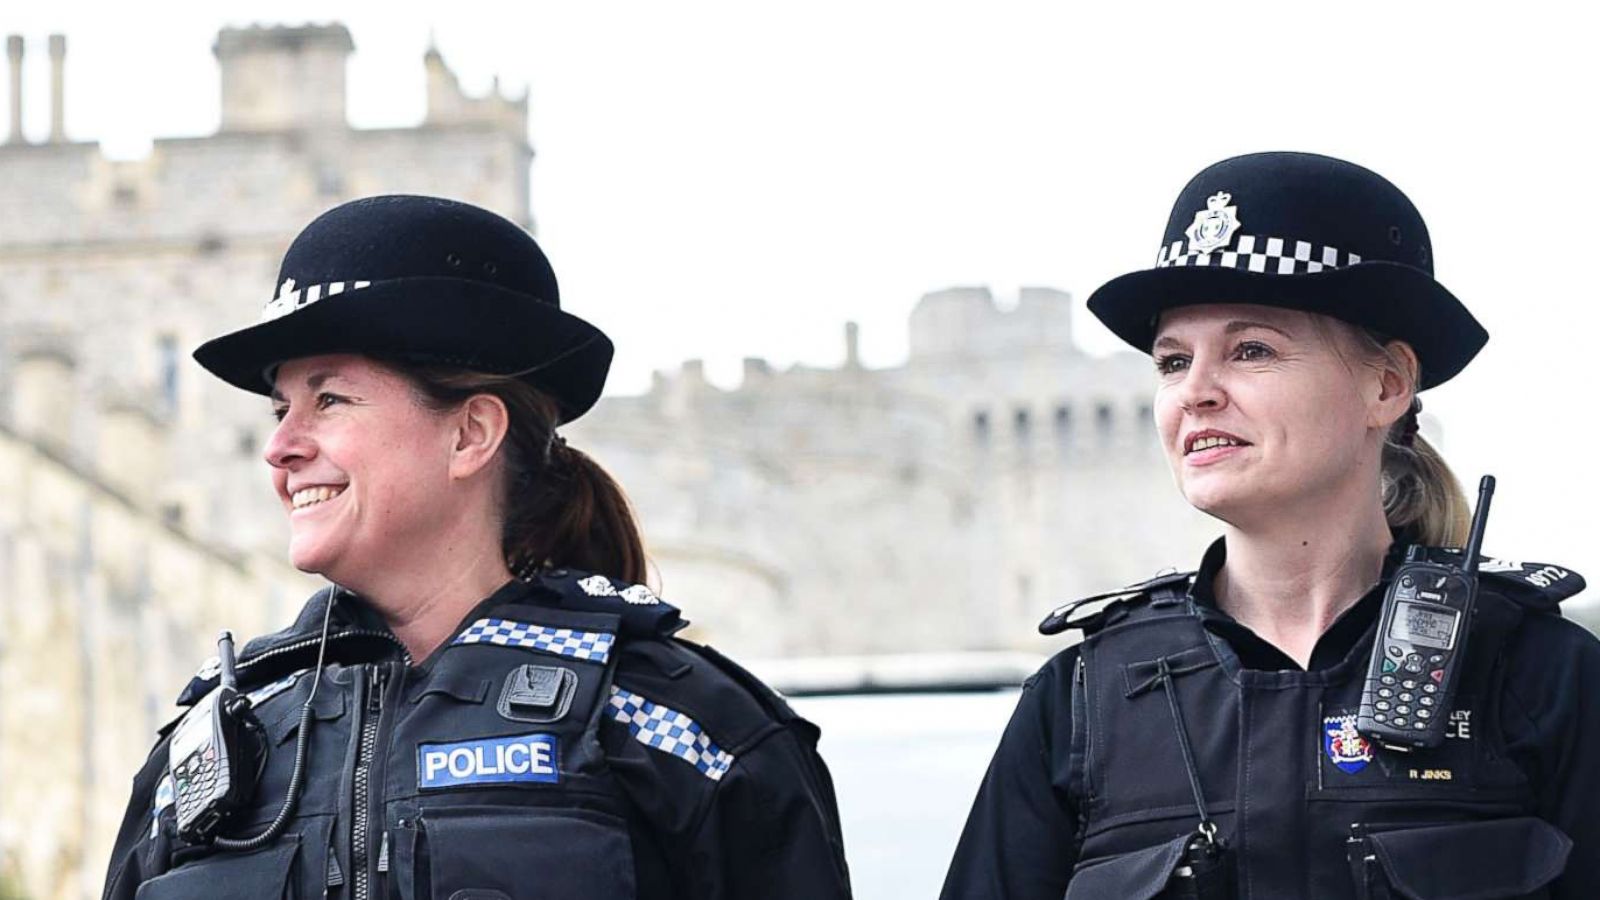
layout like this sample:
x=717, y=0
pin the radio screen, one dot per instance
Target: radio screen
x=1425, y=626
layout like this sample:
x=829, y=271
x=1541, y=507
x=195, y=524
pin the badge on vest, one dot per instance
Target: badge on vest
x=502, y=760
x=1344, y=745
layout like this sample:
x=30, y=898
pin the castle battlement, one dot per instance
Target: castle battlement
x=284, y=151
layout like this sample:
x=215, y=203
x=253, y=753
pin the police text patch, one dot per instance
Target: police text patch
x=501, y=760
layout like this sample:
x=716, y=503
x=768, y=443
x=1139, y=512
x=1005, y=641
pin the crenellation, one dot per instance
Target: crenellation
x=849, y=479
x=277, y=78
x=449, y=104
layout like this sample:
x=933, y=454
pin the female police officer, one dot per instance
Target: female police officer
x=1203, y=738
x=504, y=711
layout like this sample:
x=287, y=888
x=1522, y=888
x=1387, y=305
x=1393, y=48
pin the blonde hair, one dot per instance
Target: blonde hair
x=1422, y=500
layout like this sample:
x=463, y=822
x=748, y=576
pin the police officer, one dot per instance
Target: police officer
x=489, y=704
x=1202, y=739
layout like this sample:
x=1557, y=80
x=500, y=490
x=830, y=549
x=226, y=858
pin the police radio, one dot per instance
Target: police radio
x=214, y=755
x=1420, y=647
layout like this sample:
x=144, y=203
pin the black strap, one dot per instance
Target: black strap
x=1164, y=675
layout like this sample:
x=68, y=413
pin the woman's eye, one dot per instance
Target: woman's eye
x=1253, y=350
x=325, y=400
x=1173, y=362
x=278, y=412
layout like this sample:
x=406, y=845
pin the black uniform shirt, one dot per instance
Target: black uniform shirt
x=1255, y=652
x=1021, y=837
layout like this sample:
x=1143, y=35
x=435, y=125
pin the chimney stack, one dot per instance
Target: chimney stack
x=14, y=55
x=852, y=345
x=58, y=62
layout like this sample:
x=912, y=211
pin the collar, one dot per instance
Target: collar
x=357, y=633
x=1254, y=651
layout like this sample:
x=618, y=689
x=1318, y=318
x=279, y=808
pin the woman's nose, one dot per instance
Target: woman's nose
x=289, y=443
x=1202, y=387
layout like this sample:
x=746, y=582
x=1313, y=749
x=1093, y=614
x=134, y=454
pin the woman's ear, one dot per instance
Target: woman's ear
x=481, y=425
x=1397, y=380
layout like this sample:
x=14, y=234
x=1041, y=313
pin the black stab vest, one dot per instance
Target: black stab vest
x=404, y=794
x=1306, y=807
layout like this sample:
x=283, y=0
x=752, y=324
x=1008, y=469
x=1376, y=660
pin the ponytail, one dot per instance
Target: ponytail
x=585, y=523
x=1422, y=500
x=560, y=508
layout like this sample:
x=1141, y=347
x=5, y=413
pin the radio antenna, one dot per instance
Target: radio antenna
x=1479, y=517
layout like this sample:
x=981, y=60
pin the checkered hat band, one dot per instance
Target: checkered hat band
x=594, y=646
x=290, y=296
x=1256, y=253
x=669, y=731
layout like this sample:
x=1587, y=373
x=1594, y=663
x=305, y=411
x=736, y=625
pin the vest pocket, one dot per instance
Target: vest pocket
x=520, y=853
x=1168, y=871
x=262, y=873
x=1499, y=859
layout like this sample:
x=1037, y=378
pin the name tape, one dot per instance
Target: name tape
x=524, y=757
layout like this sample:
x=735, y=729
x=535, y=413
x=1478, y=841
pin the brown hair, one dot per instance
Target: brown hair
x=561, y=508
x=1422, y=500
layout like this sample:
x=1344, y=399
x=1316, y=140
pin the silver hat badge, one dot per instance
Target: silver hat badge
x=1213, y=226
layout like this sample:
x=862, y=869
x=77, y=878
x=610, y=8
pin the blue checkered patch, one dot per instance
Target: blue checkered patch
x=670, y=731
x=590, y=645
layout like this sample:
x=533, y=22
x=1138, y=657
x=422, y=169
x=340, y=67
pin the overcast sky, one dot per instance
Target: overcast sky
x=721, y=180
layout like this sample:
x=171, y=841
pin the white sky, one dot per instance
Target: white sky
x=720, y=180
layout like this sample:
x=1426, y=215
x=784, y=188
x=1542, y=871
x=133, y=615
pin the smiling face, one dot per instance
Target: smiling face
x=1261, y=411
x=361, y=467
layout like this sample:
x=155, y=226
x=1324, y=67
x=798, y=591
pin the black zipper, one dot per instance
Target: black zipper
x=1080, y=749
x=305, y=643
x=362, y=807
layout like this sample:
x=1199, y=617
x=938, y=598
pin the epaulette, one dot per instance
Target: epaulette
x=1537, y=586
x=1060, y=618
x=641, y=611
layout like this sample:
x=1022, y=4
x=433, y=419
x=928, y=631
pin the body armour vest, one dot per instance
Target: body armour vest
x=1302, y=805
x=477, y=774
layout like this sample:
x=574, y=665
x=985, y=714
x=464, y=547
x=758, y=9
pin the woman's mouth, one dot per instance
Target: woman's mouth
x=305, y=498
x=1209, y=446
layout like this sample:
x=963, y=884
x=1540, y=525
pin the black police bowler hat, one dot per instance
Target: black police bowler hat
x=1306, y=232
x=426, y=280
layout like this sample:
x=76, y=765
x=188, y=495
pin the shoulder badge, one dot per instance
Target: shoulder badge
x=1534, y=585
x=1540, y=586
x=1213, y=226
x=1060, y=618
x=641, y=610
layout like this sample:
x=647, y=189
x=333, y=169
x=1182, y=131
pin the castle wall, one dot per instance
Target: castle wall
x=136, y=516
